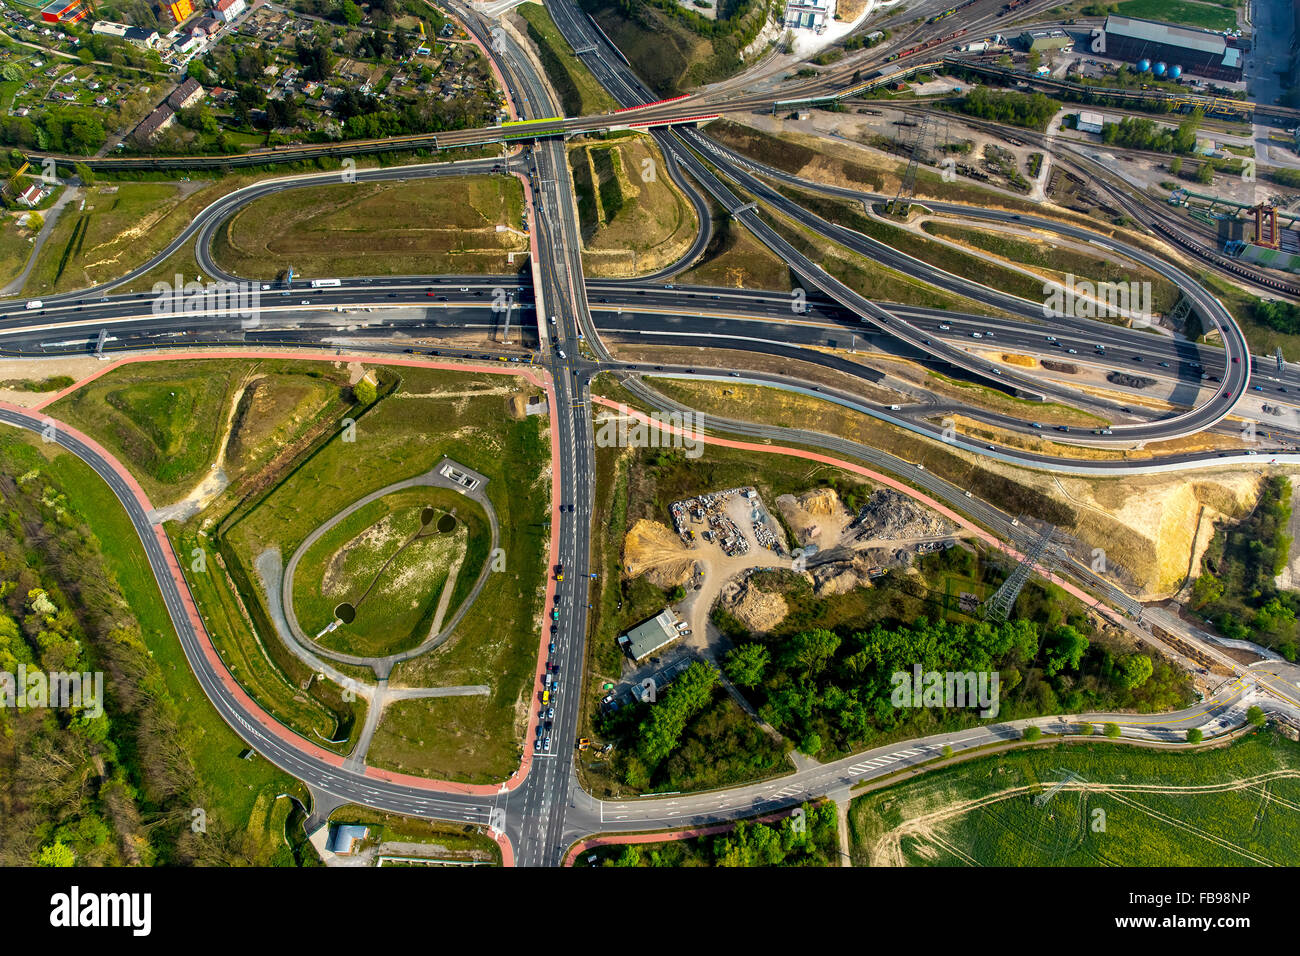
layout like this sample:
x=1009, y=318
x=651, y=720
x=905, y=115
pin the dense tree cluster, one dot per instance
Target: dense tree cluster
x=807, y=838
x=1237, y=586
x=61, y=129
x=75, y=788
x=1030, y=110
x=1133, y=132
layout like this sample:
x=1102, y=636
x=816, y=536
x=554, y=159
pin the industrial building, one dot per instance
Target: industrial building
x=1050, y=39
x=1266, y=242
x=64, y=11
x=648, y=636
x=1173, y=49
x=808, y=14
x=1089, y=122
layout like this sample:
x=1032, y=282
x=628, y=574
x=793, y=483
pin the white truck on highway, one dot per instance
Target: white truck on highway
x=34, y=304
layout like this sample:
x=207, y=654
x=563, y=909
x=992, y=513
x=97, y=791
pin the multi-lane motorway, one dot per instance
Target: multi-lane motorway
x=542, y=813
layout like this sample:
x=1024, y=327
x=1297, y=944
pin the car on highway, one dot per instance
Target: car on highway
x=546, y=746
x=945, y=328
x=550, y=713
x=537, y=745
x=1072, y=351
x=1035, y=424
x=1051, y=338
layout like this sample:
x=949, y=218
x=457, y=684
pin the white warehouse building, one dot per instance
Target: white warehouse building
x=809, y=14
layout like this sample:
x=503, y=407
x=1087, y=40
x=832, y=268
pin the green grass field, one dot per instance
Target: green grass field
x=416, y=227
x=166, y=420
x=642, y=222
x=1059, y=261
x=126, y=224
x=294, y=477
x=1231, y=806
x=14, y=249
x=395, y=590
x=1187, y=12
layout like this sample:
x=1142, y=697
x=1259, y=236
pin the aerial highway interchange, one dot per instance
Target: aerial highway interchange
x=570, y=329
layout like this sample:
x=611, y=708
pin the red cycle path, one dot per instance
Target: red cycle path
x=535, y=376
x=542, y=380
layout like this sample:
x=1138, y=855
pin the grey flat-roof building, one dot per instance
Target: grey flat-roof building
x=1049, y=39
x=1201, y=52
x=648, y=636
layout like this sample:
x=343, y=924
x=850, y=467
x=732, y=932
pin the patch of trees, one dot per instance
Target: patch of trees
x=1134, y=132
x=692, y=737
x=832, y=691
x=1237, y=586
x=365, y=116
x=76, y=786
x=807, y=838
x=1030, y=110
x=1277, y=315
x=314, y=58
x=61, y=129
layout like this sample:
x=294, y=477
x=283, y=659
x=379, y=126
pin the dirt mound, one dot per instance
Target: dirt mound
x=823, y=501
x=840, y=577
x=892, y=514
x=816, y=517
x=758, y=610
x=653, y=550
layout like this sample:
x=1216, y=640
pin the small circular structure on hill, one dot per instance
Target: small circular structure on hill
x=346, y=613
x=446, y=523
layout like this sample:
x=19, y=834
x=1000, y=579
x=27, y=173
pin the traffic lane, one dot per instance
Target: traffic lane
x=1208, y=306
x=1002, y=453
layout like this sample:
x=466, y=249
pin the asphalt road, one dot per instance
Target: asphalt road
x=547, y=810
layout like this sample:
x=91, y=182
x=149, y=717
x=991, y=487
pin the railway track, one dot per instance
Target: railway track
x=1143, y=208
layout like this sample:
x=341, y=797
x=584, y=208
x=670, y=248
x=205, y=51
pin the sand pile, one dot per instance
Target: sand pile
x=653, y=550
